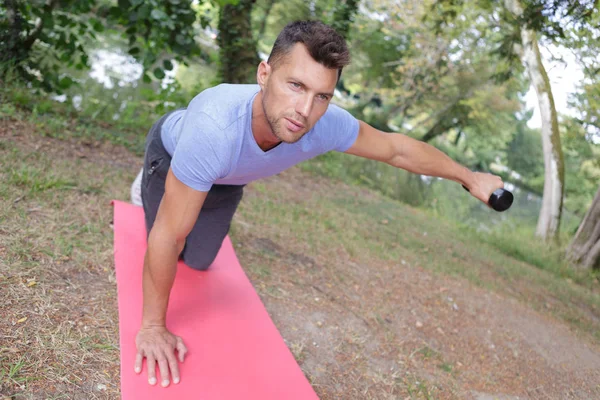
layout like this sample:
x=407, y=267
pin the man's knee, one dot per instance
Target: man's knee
x=199, y=262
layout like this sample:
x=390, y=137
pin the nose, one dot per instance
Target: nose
x=304, y=105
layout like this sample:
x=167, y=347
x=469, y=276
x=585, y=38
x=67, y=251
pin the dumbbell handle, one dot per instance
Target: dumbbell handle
x=500, y=200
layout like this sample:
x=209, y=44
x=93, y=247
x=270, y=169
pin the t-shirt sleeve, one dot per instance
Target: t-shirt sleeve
x=344, y=125
x=202, y=153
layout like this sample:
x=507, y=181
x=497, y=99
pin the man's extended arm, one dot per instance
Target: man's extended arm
x=177, y=214
x=419, y=157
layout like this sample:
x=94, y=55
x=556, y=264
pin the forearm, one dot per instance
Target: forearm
x=160, y=266
x=421, y=158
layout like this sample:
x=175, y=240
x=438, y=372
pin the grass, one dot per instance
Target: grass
x=62, y=121
x=35, y=180
x=12, y=373
x=56, y=270
x=512, y=237
x=301, y=238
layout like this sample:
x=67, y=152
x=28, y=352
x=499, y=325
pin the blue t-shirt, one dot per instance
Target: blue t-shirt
x=211, y=141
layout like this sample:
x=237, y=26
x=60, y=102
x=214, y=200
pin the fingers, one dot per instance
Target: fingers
x=158, y=347
x=173, y=367
x=163, y=366
x=138, y=363
x=181, y=349
x=151, y=364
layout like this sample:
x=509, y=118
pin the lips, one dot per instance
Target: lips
x=294, y=125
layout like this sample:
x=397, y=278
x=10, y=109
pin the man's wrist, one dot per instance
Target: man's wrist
x=467, y=178
x=153, y=319
x=153, y=324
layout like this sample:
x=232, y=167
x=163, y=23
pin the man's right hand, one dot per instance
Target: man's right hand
x=158, y=345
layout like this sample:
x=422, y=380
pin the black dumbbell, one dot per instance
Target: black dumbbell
x=500, y=200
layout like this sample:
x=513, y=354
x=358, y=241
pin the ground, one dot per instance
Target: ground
x=375, y=299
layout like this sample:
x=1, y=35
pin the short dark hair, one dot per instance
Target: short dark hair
x=323, y=43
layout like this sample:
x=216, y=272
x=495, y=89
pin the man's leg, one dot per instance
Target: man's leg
x=205, y=239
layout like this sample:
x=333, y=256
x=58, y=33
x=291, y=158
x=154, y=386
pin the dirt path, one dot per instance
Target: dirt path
x=359, y=329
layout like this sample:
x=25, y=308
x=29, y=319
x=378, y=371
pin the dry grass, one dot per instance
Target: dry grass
x=57, y=297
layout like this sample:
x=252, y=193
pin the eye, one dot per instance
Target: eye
x=295, y=85
x=323, y=97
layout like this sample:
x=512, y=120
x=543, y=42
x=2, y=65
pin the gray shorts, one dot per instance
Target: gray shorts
x=205, y=239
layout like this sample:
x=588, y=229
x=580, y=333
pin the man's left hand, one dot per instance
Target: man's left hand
x=482, y=185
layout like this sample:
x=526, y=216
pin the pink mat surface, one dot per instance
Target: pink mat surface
x=235, y=350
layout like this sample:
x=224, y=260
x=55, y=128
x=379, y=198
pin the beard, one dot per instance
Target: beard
x=277, y=126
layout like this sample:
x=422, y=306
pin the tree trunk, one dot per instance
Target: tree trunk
x=585, y=247
x=239, y=58
x=552, y=201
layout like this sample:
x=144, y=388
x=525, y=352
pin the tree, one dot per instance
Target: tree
x=238, y=54
x=554, y=182
x=585, y=247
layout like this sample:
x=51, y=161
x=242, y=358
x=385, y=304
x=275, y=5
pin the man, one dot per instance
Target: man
x=198, y=160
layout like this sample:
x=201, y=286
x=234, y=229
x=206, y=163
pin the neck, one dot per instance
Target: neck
x=261, y=130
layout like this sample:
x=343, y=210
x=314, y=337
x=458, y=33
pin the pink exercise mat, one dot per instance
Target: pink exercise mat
x=235, y=350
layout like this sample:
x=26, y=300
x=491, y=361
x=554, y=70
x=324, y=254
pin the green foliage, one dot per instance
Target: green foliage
x=39, y=39
x=155, y=27
x=478, y=126
x=525, y=155
x=550, y=17
x=545, y=17
x=587, y=102
x=582, y=166
x=273, y=15
x=343, y=16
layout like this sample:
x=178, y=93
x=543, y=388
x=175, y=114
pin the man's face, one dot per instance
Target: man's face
x=296, y=93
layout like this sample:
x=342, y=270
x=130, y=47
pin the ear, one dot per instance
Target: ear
x=263, y=73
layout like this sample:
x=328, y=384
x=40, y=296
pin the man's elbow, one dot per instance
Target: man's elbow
x=397, y=156
x=398, y=161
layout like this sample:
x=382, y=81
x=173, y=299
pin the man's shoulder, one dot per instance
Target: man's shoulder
x=223, y=104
